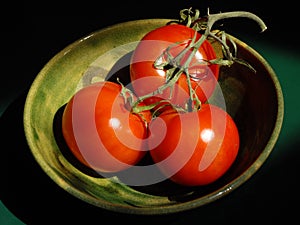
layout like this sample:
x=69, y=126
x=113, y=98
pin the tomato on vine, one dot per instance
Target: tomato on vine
x=170, y=44
x=198, y=147
x=176, y=62
x=100, y=129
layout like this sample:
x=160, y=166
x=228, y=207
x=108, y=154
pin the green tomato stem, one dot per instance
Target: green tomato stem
x=212, y=18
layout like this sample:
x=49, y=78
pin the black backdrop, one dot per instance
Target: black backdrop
x=46, y=27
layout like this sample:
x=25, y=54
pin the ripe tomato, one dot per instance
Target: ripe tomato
x=101, y=131
x=198, y=147
x=176, y=37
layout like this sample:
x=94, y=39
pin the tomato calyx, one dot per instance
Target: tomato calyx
x=175, y=65
x=135, y=105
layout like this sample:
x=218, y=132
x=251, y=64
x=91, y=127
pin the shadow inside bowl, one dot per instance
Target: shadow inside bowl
x=166, y=188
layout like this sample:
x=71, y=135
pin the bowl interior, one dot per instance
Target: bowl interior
x=254, y=100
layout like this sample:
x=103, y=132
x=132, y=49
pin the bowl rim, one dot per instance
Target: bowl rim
x=167, y=209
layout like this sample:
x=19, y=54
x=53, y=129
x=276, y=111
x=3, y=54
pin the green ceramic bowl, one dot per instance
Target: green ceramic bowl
x=255, y=101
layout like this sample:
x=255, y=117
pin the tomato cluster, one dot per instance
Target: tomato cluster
x=166, y=115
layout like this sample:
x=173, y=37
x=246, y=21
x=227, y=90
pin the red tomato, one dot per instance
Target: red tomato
x=101, y=131
x=176, y=37
x=198, y=147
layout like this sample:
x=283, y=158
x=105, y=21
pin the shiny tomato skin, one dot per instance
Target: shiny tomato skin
x=153, y=44
x=100, y=130
x=198, y=148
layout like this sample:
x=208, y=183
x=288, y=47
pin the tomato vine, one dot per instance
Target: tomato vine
x=172, y=64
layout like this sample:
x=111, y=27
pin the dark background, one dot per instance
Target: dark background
x=43, y=29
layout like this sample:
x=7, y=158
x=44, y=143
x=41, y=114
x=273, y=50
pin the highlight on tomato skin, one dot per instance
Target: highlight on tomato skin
x=198, y=148
x=100, y=130
x=171, y=40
